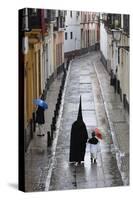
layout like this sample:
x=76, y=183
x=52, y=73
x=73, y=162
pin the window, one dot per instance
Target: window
x=78, y=13
x=84, y=17
x=34, y=12
x=25, y=22
x=65, y=35
x=61, y=22
x=113, y=21
x=117, y=21
x=70, y=13
x=126, y=23
x=65, y=12
x=71, y=35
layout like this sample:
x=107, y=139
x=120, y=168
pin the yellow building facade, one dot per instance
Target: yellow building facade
x=32, y=73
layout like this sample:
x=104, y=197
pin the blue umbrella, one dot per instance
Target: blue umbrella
x=40, y=102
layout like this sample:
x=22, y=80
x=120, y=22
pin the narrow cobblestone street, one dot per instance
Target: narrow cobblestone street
x=48, y=168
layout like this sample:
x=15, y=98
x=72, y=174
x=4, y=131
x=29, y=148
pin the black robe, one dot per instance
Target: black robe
x=78, y=139
x=40, y=115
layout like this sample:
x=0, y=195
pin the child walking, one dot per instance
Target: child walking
x=94, y=147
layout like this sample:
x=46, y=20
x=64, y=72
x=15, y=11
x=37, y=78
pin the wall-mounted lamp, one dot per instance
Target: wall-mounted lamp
x=116, y=34
x=103, y=17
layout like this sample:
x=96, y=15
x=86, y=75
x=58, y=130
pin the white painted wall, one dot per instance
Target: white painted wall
x=49, y=56
x=124, y=66
x=103, y=40
x=109, y=52
x=93, y=34
x=123, y=72
x=72, y=25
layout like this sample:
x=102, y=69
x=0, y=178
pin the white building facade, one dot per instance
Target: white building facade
x=115, y=53
x=72, y=31
x=89, y=30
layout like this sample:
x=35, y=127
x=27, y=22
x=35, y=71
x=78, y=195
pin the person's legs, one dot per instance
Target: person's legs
x=41, y=129
x=95, y=157
x=91, y=157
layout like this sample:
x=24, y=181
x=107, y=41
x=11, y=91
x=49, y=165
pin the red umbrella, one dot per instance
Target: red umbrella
x=98, y=133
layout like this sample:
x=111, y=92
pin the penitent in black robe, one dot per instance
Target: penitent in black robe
x=78, y=139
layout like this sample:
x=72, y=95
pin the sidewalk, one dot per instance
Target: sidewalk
x=37, y=157
x=117, y=118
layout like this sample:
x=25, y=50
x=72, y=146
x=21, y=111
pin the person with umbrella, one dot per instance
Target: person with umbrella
x=78, y=139
x=40, y=120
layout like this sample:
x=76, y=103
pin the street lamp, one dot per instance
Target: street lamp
x=116, y=33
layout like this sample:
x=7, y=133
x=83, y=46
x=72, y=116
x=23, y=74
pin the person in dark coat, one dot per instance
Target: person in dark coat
x=40, y=119
x=78, y=139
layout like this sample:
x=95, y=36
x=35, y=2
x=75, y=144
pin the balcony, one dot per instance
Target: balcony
x=34, y=18
x=112, y=21
x=59, y=25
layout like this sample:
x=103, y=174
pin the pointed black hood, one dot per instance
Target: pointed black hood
x=80, y=118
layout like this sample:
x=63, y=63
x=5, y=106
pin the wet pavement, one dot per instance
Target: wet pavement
x=38, y=155
x=49, y=168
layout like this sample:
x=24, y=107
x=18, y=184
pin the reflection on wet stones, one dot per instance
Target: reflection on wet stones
x=38, y=187
x=103, y=120
x=99, y=97
x=125, y=163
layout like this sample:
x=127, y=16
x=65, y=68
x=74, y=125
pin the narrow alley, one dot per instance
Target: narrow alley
x=48, y=168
